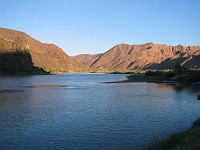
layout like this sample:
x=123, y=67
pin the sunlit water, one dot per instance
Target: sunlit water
x=79, y=111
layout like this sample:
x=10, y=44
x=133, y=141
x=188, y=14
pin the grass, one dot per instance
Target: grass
x=186, y=140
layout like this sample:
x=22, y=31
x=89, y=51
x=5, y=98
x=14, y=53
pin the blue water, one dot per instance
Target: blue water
x=79, y=111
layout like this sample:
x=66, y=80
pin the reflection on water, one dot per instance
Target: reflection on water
x=80, y=112
x=2, y=91
x=46, y=86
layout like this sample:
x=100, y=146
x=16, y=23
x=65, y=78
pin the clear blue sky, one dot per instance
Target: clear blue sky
x=94, y=26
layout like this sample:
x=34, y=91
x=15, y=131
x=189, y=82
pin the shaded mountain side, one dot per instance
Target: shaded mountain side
x=193, y=62
x=124, y=57
x=18, y=63
x=48, y=56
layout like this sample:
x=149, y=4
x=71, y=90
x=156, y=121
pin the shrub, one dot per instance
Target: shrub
x=194, y=75
x=153, y=73
x=170, y=74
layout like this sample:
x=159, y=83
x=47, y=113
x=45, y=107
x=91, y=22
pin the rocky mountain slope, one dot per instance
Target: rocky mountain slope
x=124, y=57
x=17, y=63
x=26, y=51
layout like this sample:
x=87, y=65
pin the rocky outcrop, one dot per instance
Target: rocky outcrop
x=18, y=63
x=47, y=56
x=124, y=57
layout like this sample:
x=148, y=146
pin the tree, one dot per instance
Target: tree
x=180, y=69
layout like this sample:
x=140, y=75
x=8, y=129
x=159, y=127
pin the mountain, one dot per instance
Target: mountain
x=27, y=51
x=18, y=63
x=124, y=57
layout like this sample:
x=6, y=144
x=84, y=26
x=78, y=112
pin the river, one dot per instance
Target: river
x=80, y=111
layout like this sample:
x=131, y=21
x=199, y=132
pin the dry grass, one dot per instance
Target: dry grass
x=186, y=140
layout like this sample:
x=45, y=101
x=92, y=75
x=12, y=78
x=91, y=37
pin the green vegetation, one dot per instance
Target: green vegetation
x=188, y=139
x=128, y=72
x=144, y=78
x=179, y=69
x=170, y=74
x=154, y=73
x=118, y=72
x=46, y=69
x=194, y=75
x=180, y=75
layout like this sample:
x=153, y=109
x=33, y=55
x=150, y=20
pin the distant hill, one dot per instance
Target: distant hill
x=19, y=50
x=124, y=57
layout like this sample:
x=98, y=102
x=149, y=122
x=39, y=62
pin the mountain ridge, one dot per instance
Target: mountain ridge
x=48, y=56
x=121, y=57
x=125, y=57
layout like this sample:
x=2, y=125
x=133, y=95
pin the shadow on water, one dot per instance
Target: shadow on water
x=14, y=89
x=2, y=91
x=179, y=88
x=47, y=86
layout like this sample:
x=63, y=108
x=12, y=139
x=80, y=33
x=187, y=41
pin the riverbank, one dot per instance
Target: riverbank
x=143, y=78
x=187, y=140
x=185, y=79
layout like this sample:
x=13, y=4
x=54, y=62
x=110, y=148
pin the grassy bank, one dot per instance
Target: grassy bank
x=184, y=78
x=186, y=140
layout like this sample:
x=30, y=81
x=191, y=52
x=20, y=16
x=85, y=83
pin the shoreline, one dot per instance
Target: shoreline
x=142, y=78
x=182, y=140
x=188, y=139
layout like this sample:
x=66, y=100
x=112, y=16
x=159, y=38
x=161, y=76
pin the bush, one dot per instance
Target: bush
x=194, y=75
x=170, y=74
x=180, y=69
x=153, y=73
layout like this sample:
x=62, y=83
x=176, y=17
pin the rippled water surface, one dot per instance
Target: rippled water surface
x=79, y=111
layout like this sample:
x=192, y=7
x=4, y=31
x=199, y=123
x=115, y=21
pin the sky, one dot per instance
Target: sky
x=95, y=26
